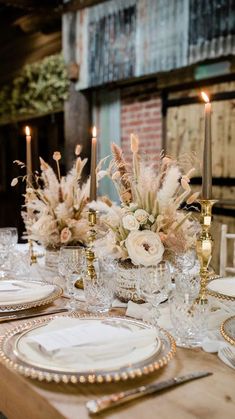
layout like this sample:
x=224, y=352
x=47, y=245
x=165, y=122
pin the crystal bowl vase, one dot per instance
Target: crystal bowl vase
x=127, y=277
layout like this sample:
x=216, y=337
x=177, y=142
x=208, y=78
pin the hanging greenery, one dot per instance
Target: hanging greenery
x=40, y=88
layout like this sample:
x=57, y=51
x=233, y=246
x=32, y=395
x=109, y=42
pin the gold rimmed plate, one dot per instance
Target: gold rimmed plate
x=222, y=288
x=16, y=353
x=16, y=295
x=227, y=330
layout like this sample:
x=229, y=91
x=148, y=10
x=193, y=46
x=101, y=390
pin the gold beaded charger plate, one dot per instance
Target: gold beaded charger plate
x=32, y=361
x=19, y=294
x=222, y=288
x=227, y=330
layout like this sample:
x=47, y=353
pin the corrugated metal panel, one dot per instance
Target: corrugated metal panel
x=124, y=38
x=162, y=35
x=211, y=29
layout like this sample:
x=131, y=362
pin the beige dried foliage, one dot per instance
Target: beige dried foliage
x=56, y=156
x=134, y=143
x=78, y=149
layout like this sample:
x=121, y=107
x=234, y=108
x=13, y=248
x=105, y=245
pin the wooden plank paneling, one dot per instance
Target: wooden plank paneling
x=185, y=134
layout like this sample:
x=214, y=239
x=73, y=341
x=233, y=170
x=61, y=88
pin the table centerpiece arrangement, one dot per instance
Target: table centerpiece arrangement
x=55, y=206
x=148, y=226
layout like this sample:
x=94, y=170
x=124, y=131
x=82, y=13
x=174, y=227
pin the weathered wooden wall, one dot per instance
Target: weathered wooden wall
x=185, y=135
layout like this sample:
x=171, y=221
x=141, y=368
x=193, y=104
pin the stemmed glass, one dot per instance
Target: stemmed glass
x=153, y=286
x=71, y=265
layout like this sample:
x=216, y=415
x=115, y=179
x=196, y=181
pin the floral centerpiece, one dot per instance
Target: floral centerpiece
x=55, y=205
x=149, y=224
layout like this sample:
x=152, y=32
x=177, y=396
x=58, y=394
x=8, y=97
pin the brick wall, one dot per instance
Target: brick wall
x=141, y=114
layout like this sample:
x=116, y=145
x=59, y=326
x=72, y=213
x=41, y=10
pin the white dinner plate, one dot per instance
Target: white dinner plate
x=24, y=294
x=228, y=330
x=124, y=361
x=222, y=287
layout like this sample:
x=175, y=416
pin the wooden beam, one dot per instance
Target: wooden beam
x=30, y=4
x=33, y=22
x=27, y=50
x=74, y=5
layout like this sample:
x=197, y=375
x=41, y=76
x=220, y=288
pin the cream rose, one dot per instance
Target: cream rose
x=65, y=235
x=130, y=222
x=141, y=216
x=144, y=247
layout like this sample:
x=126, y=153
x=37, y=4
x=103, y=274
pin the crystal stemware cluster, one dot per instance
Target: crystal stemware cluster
x=8, y=240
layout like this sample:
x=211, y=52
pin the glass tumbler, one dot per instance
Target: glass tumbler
x=99, y=291
x=188, y=318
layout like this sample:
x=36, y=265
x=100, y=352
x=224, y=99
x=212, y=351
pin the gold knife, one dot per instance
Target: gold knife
x=12, y=317
x=116, y=399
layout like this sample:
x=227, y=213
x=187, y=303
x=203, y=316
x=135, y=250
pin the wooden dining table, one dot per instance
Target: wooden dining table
x=212, y=397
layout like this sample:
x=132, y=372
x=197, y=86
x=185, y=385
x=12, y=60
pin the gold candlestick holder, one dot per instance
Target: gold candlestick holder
x=33, y=257
x=90, y=255
x=204, y=247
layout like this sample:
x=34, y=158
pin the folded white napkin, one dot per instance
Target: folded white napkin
x=213, y=342
x=78, y=340
x=138, y=311
x=80, y=296
x=144, y=312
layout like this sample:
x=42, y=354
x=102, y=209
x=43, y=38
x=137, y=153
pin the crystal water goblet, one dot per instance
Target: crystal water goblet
x=188, y=317
x=154, y=286
x=100, y=291
x=71, y=265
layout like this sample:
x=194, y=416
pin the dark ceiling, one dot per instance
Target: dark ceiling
x=31, y=30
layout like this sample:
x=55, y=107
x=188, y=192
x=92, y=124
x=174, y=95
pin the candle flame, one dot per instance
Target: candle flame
x=94, y=131
x=205, y=97
x=27, y=131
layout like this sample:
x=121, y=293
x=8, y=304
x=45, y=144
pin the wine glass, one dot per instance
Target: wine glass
x=71, y=266
x=153, y=286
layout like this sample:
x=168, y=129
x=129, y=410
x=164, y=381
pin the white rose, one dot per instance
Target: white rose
x=141, y=216
x=144, y=248
x=130, y=222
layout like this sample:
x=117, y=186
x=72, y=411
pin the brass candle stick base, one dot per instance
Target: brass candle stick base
x=33, y=257
x=90, y=256
x=204, y=247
